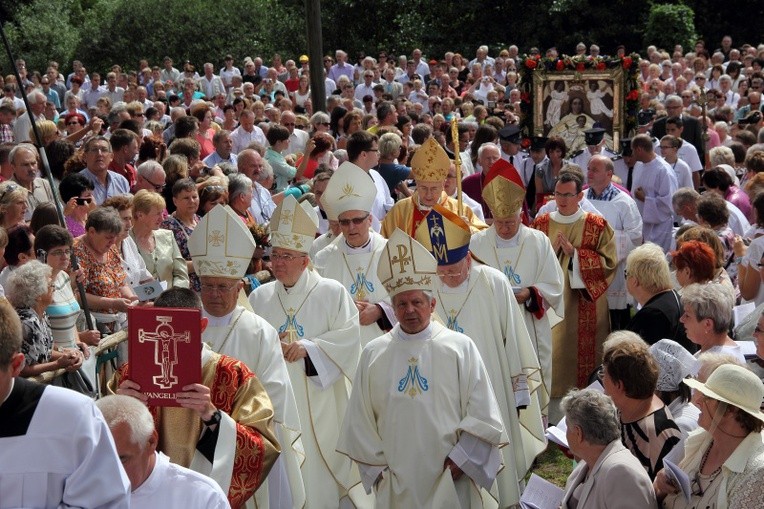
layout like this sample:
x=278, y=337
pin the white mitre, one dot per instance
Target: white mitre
x=350, y=188
x=293, y=225
x=221, y=244
x=406, y=265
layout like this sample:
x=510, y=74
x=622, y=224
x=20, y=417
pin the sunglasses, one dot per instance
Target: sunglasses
x=356, y=221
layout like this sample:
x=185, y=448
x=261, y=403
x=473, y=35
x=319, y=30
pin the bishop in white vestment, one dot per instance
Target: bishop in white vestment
x=477, y=300
x=221, y=261
x=423, y=423
x=526, y=258
x=317, y=322
x=353, y=258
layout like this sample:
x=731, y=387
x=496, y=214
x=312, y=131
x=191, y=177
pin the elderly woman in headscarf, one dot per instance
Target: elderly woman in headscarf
x=725, y=459
x=607, y=474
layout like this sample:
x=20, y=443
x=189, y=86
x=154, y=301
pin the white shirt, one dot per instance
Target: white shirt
x=172, y=486
x=241, y=138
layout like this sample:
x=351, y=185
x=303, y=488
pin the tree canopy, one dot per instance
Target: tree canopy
x=106, y=32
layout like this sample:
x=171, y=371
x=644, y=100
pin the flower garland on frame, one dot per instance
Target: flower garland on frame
x=528, y=64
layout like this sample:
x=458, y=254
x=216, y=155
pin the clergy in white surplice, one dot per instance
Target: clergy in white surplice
x=477, y=300
x=423, y=423
x=526, y=258
x=317, y=323
x=653, y=186
x=221, y=248
x=621, y=213
x=352, y=259
x=55, y=447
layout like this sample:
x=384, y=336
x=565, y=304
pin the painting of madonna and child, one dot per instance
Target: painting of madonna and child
x=569, y=107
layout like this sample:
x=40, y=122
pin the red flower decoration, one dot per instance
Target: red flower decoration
x=626, y=62
x=633, y=95
x=601, y=66
x=531, y=64
x=525, y=144
x=560, y=65
x=580, y=66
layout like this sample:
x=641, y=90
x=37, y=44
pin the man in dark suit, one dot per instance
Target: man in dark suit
x=692, y=132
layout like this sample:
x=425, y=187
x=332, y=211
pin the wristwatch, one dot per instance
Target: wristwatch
x=215, y=419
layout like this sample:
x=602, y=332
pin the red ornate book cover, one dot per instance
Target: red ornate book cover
x=165, y=351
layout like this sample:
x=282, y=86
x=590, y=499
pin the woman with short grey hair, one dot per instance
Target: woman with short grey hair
x=30, y=290
x=608, y=474
x=707, y=318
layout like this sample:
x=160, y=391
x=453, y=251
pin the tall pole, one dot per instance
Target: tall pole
x=46, y=170
x=316, y=55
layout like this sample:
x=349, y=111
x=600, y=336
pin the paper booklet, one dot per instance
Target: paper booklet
x=541, y=494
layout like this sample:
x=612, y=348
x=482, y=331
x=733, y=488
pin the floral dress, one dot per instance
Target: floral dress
x=182, y=233
x=37, y=337
x=103, y=279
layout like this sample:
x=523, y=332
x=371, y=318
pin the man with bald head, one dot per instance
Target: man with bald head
x=298, y=138
x=621, y=212
x=250, y=163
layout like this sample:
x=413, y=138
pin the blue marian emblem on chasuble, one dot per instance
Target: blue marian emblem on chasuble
x=453, y=323
x=413, y=383
x=361, y=286
x=509, y=271
x=293, y=329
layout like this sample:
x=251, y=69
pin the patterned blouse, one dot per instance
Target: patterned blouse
x=182, y=233
x=38, y=339
x=103, y=279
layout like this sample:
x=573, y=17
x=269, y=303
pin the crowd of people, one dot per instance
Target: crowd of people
x=398, y=294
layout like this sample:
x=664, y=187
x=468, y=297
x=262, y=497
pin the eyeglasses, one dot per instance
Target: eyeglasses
x=300, y=126
x=355, y=220
x=758, y=330
x=450, y=274
x=60, y=252
x=625, y=273
x=157, y=187
x=99, y=150
x=288, y=124
x=208, y=288
x=275, y=257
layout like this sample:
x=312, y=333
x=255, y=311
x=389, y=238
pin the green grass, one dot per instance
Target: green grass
x=553, y=466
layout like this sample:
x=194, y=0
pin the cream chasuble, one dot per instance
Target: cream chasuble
x=320, y=314
x=249, y=338
x=484, y=308
x=356, y=269
x=527, y=260
x=415, y=399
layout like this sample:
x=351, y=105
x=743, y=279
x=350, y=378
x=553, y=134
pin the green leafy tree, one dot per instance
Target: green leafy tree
x=44, y=30
x=669, y=25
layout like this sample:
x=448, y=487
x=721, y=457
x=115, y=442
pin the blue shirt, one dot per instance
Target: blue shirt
x=116, y=184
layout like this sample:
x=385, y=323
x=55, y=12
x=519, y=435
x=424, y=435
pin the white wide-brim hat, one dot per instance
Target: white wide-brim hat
x=734, y=385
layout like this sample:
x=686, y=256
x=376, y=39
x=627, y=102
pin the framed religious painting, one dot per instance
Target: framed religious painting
x=564, y=96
